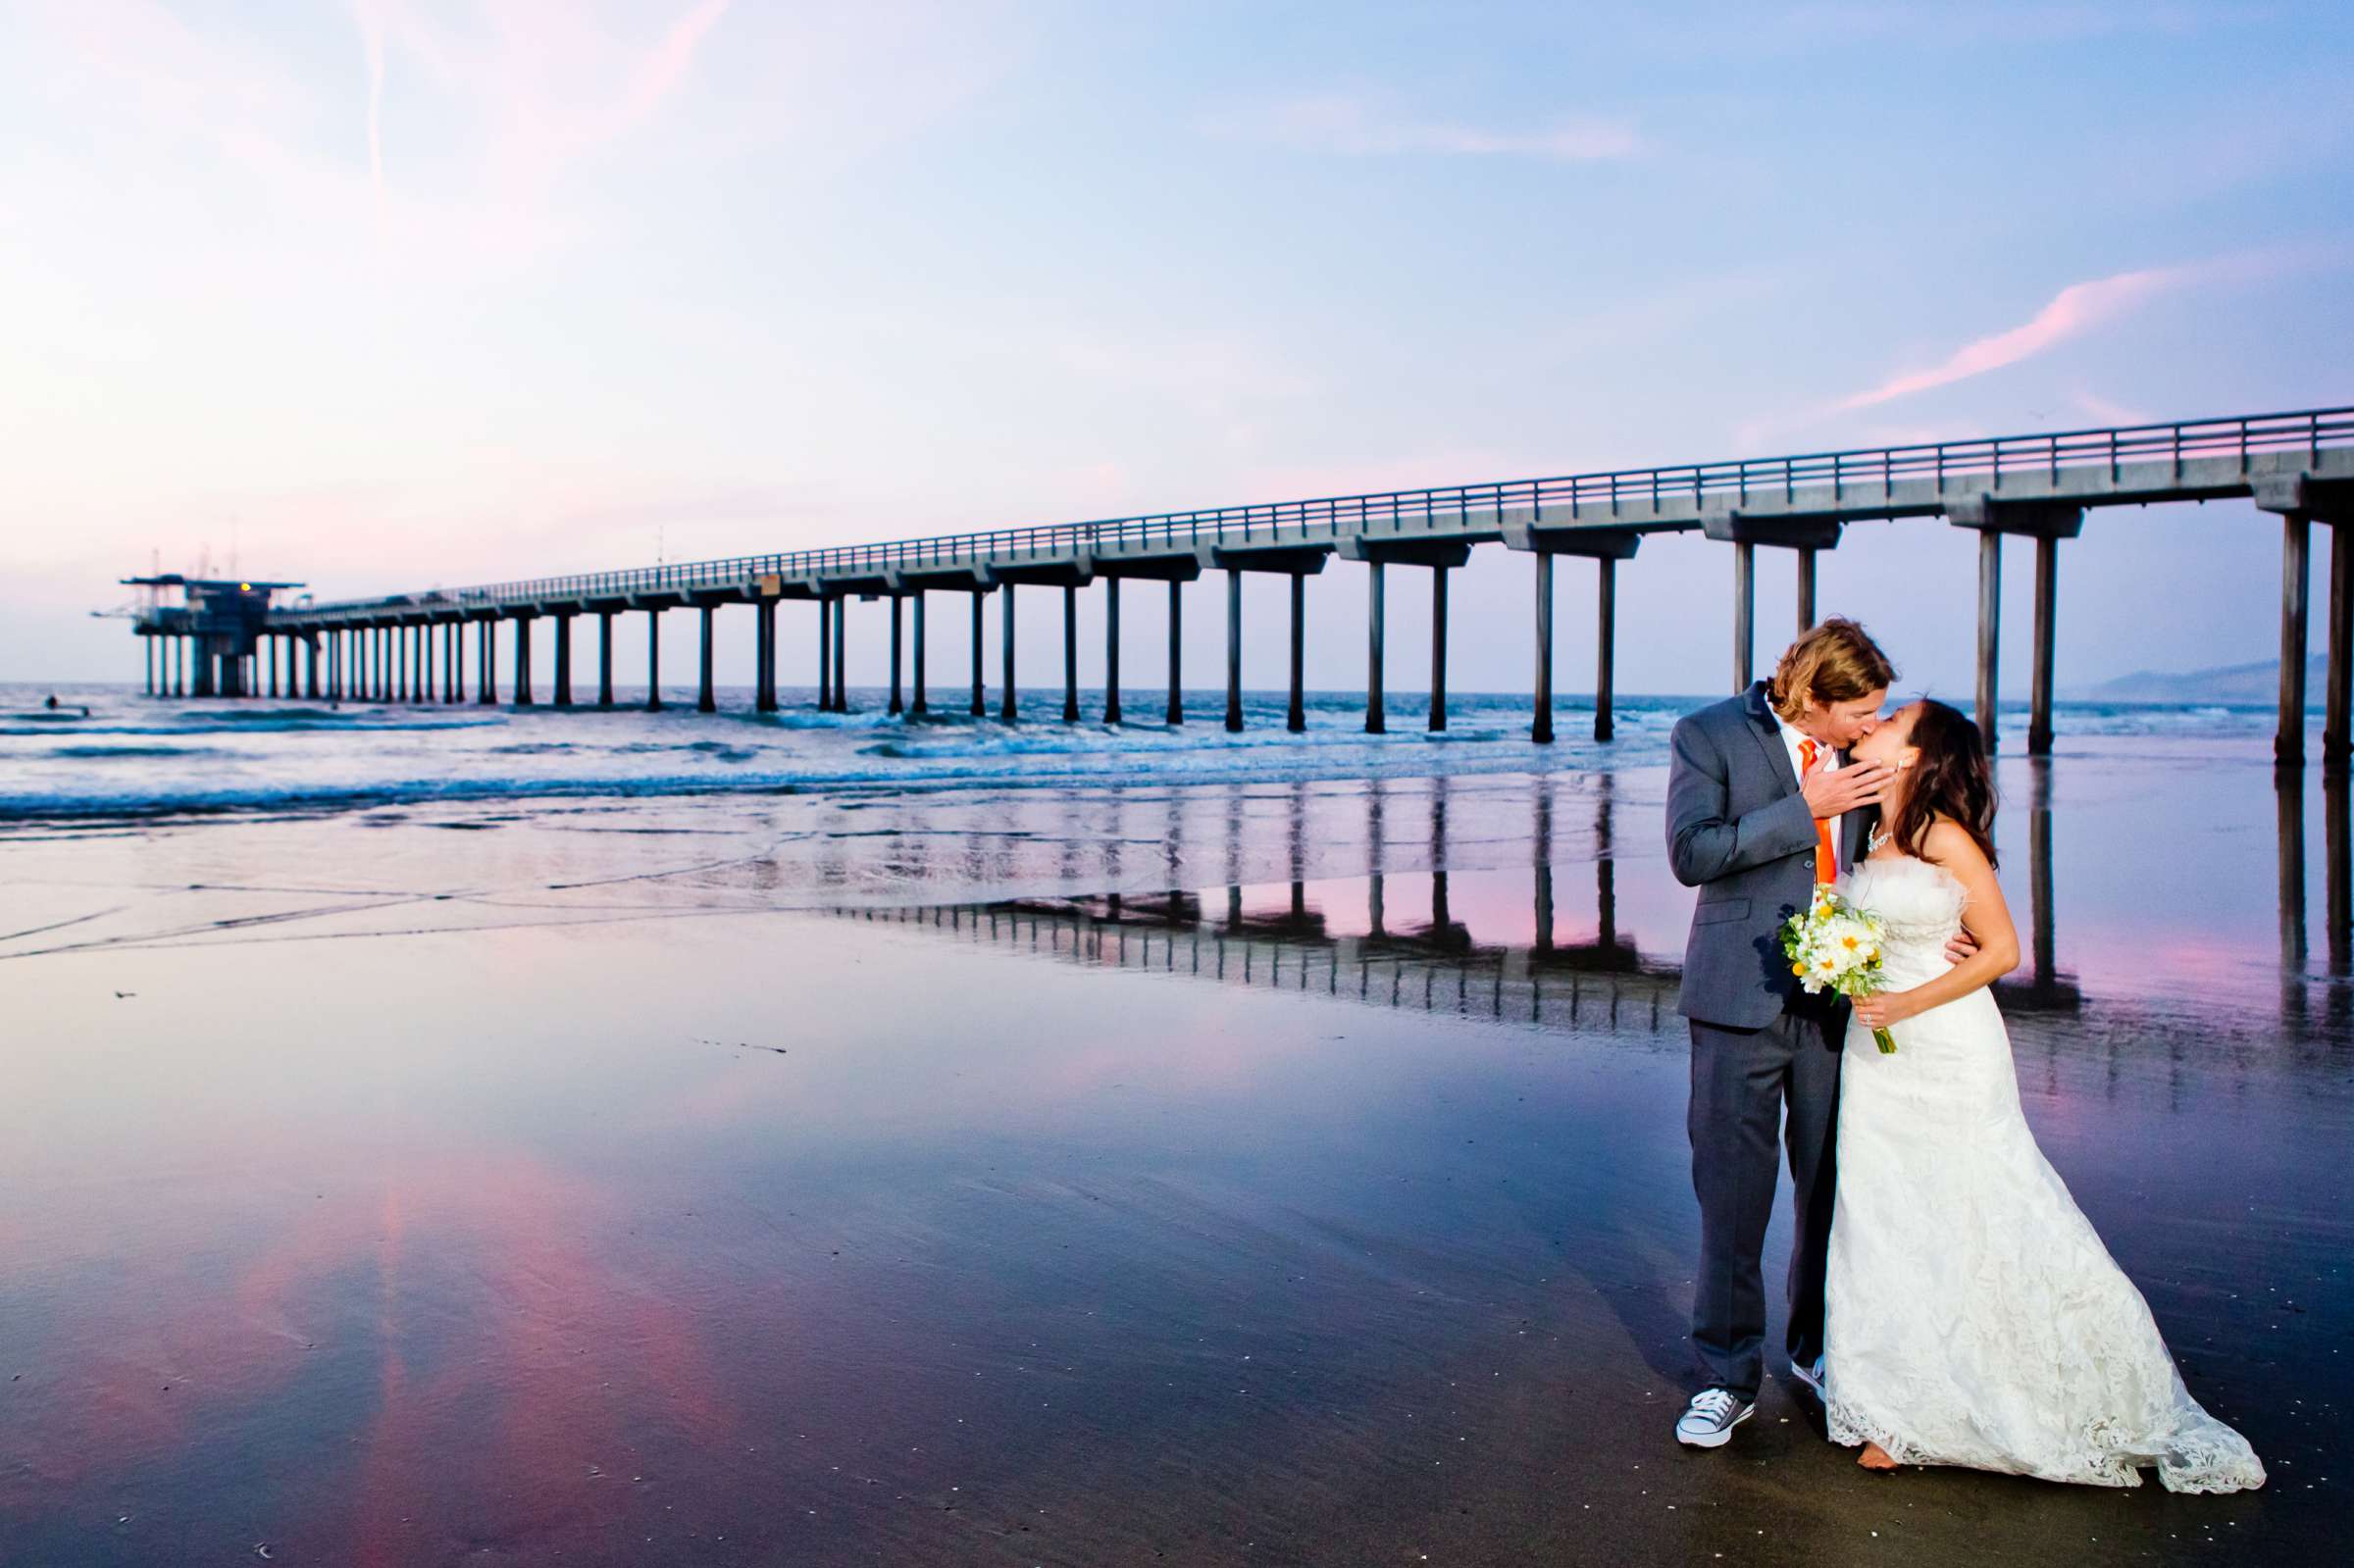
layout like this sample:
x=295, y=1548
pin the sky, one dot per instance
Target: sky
x=392, y=294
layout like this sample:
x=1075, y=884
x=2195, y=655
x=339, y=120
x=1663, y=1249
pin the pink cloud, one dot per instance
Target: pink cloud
x=662, y=69
x=2075, y=309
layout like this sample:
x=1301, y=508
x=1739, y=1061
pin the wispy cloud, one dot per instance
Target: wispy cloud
x=2075, y=309
x=547, y=86
x=1356, y=126
x=2105, y=412
x=372, y=42
x=666, y=64
x=2081, y=307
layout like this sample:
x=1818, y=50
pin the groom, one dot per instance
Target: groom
x=1761, y=806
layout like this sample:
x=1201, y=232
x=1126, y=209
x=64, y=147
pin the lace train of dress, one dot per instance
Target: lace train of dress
x=1973, y=1316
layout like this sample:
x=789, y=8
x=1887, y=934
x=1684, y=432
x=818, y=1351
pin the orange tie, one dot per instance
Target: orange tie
x=1827, y=861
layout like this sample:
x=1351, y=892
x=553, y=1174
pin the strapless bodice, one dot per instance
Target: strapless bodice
x=1920, y=908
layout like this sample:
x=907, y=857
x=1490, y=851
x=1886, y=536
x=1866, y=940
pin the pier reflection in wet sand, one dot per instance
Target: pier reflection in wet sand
x=1402, y=939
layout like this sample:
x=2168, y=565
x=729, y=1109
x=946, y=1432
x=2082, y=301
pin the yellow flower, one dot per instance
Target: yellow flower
x=1849, y=943
x=1798, y=969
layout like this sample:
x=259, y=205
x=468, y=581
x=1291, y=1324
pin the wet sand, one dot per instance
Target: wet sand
x=1077, y=1177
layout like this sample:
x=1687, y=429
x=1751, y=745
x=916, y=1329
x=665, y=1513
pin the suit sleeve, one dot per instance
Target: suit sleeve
x=1703, y=842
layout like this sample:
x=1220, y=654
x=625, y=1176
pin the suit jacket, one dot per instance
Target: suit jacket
x=1740, y=831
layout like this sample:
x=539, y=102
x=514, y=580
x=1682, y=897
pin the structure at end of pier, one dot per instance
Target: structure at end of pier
x=206, y=644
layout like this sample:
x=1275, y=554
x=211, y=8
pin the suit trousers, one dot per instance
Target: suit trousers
x=1743, y=1083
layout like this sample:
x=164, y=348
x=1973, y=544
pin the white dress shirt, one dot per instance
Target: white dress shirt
x=1826, y=761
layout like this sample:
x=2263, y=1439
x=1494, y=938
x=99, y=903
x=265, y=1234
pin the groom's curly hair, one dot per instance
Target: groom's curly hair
x=1834, y=661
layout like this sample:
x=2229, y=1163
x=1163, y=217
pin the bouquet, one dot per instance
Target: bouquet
x=1833, y=946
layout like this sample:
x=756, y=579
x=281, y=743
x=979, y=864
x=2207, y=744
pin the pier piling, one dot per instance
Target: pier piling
x=1112, y=650
x=1376, y=633
x=1176, y=714
x=897, y=707
x=1744, y=606
x=1010, y=708
x=764, y=656
x=1234, y=651
x=1604, y=643
x=918, y=699
x=1438, y=648
x=653, y=659
x=979, y=692
x=1296, y=716
x=1540, y=728
x=1070, y=654
x=2288, y=745
x=2335, y=741
x=523, y=661
x=706, y=699
x=842, y=653
x=2039, y=686
x=563, y=633
x=1990, y=629
x=825, y=655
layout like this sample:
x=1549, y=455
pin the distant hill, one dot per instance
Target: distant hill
x=2233, y=682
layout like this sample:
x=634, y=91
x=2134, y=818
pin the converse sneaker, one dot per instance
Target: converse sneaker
x=1709, y=1420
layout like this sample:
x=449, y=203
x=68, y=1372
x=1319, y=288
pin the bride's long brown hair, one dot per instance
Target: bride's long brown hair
x=1952, y=779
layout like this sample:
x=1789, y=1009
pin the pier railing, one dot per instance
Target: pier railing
x=1735, y=482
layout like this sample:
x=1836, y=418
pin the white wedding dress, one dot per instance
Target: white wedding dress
x=1973, y=1316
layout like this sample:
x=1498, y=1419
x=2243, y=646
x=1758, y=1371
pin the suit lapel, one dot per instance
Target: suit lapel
x=1768, y=735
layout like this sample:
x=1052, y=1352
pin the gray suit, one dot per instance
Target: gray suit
x=1740, y=831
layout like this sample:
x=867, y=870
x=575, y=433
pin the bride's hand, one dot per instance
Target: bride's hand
x=1886, y=1008
x=1961, y=948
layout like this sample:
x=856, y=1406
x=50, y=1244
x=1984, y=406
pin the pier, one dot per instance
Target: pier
x=2297, y=467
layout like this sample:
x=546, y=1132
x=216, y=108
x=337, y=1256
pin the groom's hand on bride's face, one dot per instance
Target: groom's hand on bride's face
x=1848, y=788
x=1961, y=948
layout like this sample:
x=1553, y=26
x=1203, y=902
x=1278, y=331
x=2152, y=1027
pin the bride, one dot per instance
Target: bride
x=1973, y=1316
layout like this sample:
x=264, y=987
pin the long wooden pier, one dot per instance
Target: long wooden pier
x=2298, y=467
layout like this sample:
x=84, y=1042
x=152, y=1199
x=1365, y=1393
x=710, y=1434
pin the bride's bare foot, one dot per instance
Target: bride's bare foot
x=1875, y=1457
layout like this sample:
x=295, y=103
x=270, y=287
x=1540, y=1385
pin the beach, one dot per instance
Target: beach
x=869, y=1142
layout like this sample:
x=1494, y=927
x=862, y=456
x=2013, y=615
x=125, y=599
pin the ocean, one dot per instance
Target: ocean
x=131, y=756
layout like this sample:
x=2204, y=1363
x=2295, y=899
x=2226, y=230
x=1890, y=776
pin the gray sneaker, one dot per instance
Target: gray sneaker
x=1709, y=1420
x=1811, y=1375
